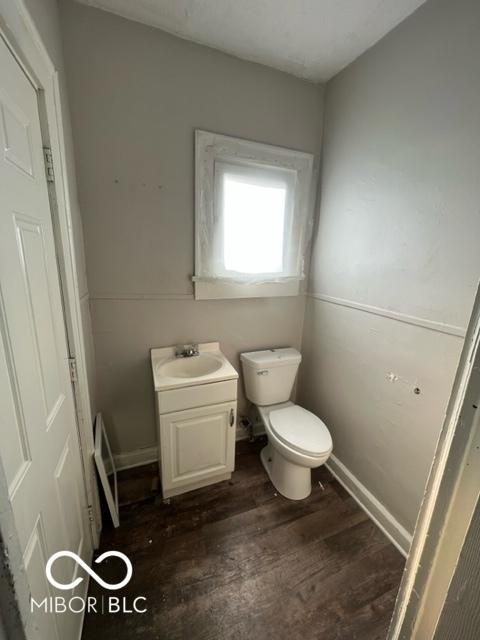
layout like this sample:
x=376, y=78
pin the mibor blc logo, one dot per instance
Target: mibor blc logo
x=84, y=565
x=90, y=604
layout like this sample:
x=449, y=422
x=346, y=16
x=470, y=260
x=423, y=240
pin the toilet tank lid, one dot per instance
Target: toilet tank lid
x=271, y=358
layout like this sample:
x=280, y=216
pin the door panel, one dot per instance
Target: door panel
x=32, y=250
x=39, y=445
x=16, y=133
x=16, y=451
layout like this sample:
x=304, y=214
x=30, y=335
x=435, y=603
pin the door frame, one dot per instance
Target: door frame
x=450, y=499
x=24, y=41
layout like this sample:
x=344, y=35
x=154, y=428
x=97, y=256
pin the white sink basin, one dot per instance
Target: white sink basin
x=209, y=366
x=194, y=367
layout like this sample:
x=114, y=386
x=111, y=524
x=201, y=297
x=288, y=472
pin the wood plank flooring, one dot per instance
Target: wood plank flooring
x=238, y=561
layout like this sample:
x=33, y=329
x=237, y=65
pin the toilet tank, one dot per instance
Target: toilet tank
x=269, y=375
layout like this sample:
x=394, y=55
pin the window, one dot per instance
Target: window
x=252, y=217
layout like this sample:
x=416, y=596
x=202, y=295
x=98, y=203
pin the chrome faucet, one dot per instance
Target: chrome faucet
x=186, y=350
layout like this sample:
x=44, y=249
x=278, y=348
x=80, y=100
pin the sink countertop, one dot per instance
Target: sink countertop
x=165, y=355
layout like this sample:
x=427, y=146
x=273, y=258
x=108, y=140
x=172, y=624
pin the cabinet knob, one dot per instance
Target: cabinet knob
x=232, y=417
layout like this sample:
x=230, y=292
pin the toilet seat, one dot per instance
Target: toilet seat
x=301, y=430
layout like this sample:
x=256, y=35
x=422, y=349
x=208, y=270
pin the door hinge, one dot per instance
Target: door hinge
x=72, y=365
x=90, y=513
x=47, y=155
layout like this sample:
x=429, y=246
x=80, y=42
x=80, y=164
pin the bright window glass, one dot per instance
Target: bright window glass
x=253, y=226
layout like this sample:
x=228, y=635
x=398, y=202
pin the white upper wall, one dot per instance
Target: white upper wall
x=44, y=14
x=138, y=94
x=401, y=170
x=396, y=261
x=312, y=39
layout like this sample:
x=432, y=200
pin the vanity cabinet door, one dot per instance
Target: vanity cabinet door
x=197, y=444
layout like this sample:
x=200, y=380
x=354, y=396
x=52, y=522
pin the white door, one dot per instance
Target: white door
x=39, y=441
x=196, y=444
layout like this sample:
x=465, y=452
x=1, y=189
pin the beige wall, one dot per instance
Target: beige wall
x=396, y=259
x=137, y=96
x=44, y=14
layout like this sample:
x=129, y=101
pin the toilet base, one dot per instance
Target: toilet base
x=291, y=480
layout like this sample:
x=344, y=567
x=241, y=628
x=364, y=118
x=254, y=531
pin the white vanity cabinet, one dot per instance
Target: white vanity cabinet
x=197, y=447
x=197, y=428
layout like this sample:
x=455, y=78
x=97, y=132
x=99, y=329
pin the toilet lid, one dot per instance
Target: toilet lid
x=301, y=430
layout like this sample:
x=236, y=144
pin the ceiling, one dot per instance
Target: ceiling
x=312, y=39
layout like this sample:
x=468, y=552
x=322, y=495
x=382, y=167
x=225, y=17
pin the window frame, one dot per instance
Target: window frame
x=211, y=148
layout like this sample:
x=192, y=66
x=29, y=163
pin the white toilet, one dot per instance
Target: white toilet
x=297, y=439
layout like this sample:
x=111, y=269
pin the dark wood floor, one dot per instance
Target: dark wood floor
x=238, y=561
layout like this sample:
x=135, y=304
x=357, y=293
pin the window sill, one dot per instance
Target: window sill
x=220, y=290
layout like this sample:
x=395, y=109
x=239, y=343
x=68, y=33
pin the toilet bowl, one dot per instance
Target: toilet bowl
x=298, y=440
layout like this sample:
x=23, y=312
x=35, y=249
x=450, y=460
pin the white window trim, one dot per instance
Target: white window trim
x=210, y=147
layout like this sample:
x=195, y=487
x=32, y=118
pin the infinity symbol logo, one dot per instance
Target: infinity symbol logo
x=84, y=565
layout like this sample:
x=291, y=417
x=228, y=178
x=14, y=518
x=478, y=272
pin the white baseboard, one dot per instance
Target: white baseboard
x=394, y=531
x=135, y=458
